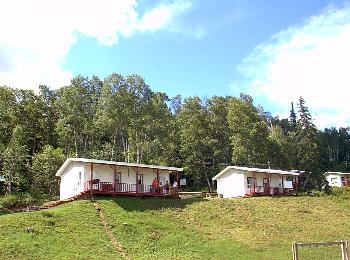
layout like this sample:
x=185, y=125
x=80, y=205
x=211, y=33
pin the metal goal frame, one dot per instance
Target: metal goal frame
x=342, y=243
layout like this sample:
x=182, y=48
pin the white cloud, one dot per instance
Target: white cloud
x=309, y=60
x=36, y=35
x=161, y=16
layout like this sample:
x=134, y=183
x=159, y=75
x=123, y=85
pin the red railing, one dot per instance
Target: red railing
x=102, y=186
x=261, y=190
x=345, y=181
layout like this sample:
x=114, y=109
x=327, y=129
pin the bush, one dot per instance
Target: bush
x=317, y=193
x=16, y=201
x=343, y=191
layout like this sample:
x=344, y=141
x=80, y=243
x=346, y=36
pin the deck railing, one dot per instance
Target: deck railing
x=261, y=190
x=102, y=186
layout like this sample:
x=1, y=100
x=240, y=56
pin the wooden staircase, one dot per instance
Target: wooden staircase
x=55, y=203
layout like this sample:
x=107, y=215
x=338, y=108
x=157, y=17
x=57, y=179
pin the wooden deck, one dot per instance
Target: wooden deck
x=127, y=189
x=266, y=191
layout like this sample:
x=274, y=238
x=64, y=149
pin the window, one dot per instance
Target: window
x=79, y=178
x=162, y=180
x=117, y=177
x=265, y=182
x=249, y=181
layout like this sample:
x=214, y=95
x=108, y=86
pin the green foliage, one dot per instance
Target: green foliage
x=335, y=148
x=75, y=113
x=44, y=167
x=120, y=118
x=249, y=133
x=15, y=162
x=279, y=148
x=307, y=151
x=341, y=191
x=15, y=202
x=204, y=137
x=192, y=120
x=7, y=117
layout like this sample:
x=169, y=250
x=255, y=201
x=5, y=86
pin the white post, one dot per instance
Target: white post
x=344, y=250
x=295, y=251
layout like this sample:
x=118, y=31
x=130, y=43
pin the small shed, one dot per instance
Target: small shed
x=338, y=179
x=236, y=181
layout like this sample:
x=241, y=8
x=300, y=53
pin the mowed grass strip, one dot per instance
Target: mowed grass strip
x=69, y=231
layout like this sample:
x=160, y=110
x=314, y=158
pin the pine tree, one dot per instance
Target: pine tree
x=293, y=118
x=307, y=150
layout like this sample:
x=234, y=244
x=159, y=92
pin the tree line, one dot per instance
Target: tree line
x=121, y=119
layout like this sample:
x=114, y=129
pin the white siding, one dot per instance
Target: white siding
x=276, y=180
x=231, y=184
x=70, y=183
x=234, y=183
x=334, y=180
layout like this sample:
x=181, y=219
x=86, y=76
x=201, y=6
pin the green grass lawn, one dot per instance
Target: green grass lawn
x=156, y=228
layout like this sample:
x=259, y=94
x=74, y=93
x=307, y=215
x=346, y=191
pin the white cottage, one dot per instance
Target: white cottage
x=87, y=176
x=338, y=179
x=235, y=181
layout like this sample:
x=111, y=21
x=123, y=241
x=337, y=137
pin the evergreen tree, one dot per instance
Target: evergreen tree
x=307, y=150
x=292, y=118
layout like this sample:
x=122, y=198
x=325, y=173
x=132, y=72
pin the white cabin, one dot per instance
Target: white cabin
x=235, y=181
x=81, y=176
x=338, y=179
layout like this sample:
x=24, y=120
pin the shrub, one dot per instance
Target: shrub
x=16, y=201
x=341, y=191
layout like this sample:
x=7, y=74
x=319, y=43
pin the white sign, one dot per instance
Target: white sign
x=183, y=182
x=288, y=184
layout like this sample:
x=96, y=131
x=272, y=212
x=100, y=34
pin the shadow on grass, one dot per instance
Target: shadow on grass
x=150, y=203
x=4, y=213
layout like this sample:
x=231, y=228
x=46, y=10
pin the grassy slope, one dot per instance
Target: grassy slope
x=70, y=231
x=255, y=228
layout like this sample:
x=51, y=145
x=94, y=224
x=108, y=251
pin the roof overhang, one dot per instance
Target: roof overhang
x=337, y=173
x=257, y=170
x=124, y=164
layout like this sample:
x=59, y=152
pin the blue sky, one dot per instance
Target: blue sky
x=273, y=50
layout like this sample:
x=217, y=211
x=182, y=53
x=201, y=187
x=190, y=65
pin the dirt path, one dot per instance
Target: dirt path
x=117, y=245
